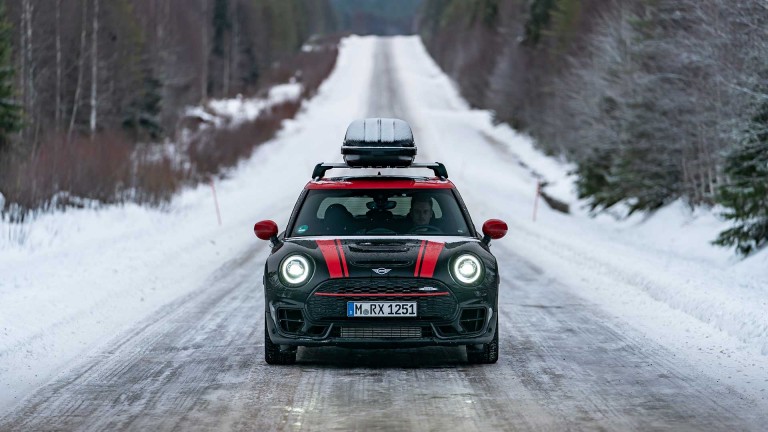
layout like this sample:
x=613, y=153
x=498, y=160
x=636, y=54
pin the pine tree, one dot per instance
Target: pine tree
x=746, y=193
x=540, y=15
x=142, y=117
x=595, y=181
x=10, y=110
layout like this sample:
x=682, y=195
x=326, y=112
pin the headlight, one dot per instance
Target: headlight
x=295, y=270
x=467, y=269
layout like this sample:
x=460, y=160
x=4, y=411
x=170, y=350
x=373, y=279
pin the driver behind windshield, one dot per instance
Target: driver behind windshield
x=421, y=210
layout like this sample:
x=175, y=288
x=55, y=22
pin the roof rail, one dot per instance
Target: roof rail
x=438, y=168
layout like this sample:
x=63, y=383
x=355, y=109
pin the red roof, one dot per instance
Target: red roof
x=380, y=183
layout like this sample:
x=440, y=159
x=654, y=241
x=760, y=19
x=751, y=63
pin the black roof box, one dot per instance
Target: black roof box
x=378, y=142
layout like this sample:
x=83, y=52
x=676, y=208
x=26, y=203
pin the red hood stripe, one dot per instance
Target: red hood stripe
x=342, y=258
x=429, y=262
x=329, y=250
x=418, y=258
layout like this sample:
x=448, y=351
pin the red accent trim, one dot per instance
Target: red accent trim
x=342, y=258
x=265, y=229
x=331, y=255
x=383, y=183
x=383, y=295
x=418, y=258
x=430, y=258
x=495, y=228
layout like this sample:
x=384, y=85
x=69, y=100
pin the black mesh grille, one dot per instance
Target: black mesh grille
x=472, y=320
x=290, y=320
x=412, y=332
x=380, y=286
x=440, y=307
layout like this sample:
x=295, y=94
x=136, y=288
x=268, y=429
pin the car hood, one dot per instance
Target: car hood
x=383, y=257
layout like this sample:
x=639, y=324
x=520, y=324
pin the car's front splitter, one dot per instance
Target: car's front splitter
x=382, y=334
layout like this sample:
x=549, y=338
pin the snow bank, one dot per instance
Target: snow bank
x=238, y=110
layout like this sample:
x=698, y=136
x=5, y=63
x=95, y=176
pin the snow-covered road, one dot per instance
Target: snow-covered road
x=158, y=321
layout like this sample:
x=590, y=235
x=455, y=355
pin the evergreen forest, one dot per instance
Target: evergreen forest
x=652, y=100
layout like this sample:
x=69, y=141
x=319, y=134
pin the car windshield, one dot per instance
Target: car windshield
x=400, y=212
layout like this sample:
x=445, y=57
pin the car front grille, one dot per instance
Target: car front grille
x=329, y=301
x=381, y=286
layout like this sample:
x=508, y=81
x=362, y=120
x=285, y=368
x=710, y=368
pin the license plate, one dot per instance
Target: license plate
x=381, y=309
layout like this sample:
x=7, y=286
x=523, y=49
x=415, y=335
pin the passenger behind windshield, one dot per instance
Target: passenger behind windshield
x=355, y=212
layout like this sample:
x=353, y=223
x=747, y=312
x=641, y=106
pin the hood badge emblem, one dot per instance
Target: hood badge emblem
x=381, y=270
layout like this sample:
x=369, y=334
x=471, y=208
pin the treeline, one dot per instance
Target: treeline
x=653, y=100
x=89, y=79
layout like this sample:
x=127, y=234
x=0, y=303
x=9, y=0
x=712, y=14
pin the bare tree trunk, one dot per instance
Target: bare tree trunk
x=161, y=17
x=234, y=50
x=204, y=49
x=23, y=56
x=57, y=114
x=703, y=169
x=27, y=69
x=225, y=73
x=687, y=182
x=30, y=60
x=81, y=66
x=94, y=66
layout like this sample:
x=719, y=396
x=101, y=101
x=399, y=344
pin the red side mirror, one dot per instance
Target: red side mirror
x=266, y=229
x=495, y=228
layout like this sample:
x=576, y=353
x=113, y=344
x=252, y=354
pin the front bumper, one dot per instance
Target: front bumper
x=288, y=330
x=317, y=316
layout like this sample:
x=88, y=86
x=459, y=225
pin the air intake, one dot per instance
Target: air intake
x=472, y=320
x=381, y=332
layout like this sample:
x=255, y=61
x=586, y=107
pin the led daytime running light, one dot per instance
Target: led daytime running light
x=467, y=269
x=295, y=270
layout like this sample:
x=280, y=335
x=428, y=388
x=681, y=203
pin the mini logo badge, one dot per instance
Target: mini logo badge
x=381, y=270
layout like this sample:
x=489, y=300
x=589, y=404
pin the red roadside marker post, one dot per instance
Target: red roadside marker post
x=215, y=202
x=536, y=199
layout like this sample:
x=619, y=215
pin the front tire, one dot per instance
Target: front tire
x=488, y=354
x=272, y=353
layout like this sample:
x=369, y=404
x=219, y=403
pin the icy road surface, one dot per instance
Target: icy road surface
x=582, y=348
